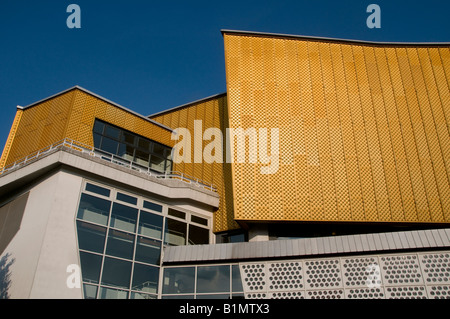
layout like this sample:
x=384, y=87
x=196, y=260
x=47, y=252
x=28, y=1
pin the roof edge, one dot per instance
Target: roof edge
x=77, y=87
x=187, y=104
x=327, y=39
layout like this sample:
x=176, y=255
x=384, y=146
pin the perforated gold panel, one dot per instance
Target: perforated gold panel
x=71, y=115
x=213, y=113
x=364, y=129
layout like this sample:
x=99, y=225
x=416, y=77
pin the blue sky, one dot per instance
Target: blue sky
x=152, y=55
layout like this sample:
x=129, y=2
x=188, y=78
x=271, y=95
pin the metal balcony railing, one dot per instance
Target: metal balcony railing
x=117, y=160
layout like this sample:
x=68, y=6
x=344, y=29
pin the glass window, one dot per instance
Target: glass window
x=236, y=282
x=128, y=138
x=112, y=132
x=109, y=145
x=139, y=295
x=98, y=127
x=116, y=273
x=199, y=220
x=152, y=206
x=109, y=293
x=97, y=140
x=127, y=198
x=176, y=213
x=90, y=267
x=144, y=144
x=178, y=280
x=126, y=152
x=214, y=296
x=120, y=244
x=158, y=149
x=124, y=217
x=157, y=163
x=142, y=158
x=145, y=278
x=150, y=224
x=91, y=237
x=98, y=190
x=175, y=232
x=198, y=235
x=90, y=292
x=213, y=279
x=94, y=209
x=148, y=250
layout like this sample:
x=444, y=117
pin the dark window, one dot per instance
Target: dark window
x=198, y=235
x=176, y=213
x=132, y=147
x=91, y=237
x=98, y=190
x=152, y=206
x=116, y=273
x=148, y=250
x=120, y=244
x=124, y=217
x=90, y=267
x=145, y=278
x=175, y=233
x=150, y=225
x=127, y=198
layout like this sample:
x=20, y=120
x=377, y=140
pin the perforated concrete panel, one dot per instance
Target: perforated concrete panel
x=394, y=276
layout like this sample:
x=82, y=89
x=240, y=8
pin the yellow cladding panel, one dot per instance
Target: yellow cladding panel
x=363, y=129
x=213, y=113
x=71, y=115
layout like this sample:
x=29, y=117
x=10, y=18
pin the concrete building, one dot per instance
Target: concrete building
x=322, y=172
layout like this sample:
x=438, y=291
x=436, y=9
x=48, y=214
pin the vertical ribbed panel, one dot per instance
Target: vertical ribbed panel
x=363, y=129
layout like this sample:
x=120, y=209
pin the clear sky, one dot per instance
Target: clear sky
x=152, y=55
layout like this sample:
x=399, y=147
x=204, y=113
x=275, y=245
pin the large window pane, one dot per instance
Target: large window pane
x=112, y=132
x=94, y=209
x=150, y=225
x=124, y=217
x=116, y=273
x=139, y=295
x=157, y=163
x=148, y=250
x=179, y=280
x=90, y=292
x=98, y=127
x=109, y=145
x=213, y=279
x=120, y=244
x=198, y=235
x=152, y=206
x=90, y=267
x=142, y=158
x=175, y=233
x=91, y=237
x=236, y=282
x=109, y=293
x=97, y=189
x=145, y=278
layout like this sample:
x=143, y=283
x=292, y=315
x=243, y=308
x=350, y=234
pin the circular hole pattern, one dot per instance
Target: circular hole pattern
x=437, y=268
x=323, y=273
x=406, y=293
x=401, y=270
x=285, y=276
x=254, y=276
x=365, y=293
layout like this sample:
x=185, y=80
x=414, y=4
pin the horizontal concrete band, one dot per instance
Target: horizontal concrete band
x=419, y=239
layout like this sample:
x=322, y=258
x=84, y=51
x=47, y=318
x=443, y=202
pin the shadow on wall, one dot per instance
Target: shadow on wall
x=5, y=281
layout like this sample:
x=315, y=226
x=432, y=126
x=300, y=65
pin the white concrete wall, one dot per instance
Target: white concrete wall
x=46, y=242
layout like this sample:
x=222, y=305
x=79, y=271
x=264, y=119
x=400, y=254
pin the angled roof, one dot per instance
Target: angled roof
x=76, y=87
x=350, y=41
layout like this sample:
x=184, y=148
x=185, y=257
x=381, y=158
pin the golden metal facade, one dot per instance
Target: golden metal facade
x=214, y=114
x=71, y=115
x=364, y=129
